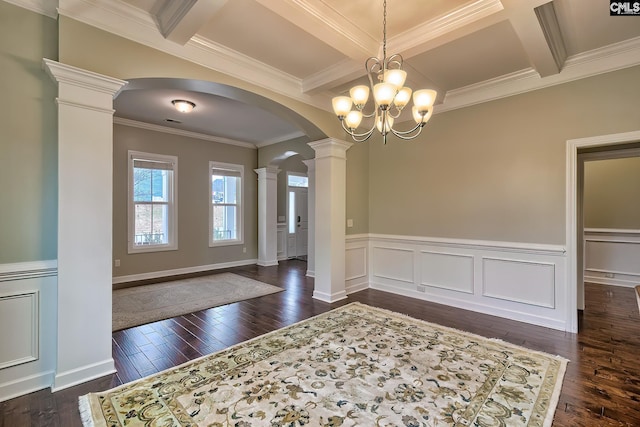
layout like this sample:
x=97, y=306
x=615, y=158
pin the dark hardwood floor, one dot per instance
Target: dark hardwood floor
x=601, y=386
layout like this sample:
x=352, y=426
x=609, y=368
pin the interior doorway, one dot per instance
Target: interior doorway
x=297, y=216
x=575, y=216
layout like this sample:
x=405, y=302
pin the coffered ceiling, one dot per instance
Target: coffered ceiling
x=470, y=51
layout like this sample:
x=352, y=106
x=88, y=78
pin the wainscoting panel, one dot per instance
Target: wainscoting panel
x=27, y=327
x=521, y=281
x=356, y=264
x=19, y=331
x=393, y=263
x=612, y=256
x=447, y=271
x=281, y=236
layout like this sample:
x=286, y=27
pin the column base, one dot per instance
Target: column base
x=330, y=298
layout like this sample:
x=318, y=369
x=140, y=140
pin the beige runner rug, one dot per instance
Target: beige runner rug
x=353, y=366
x=148, y=303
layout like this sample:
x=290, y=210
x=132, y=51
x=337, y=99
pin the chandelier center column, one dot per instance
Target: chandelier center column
x=330, y=217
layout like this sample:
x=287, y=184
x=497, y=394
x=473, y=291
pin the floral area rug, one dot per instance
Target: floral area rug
x=353, y=366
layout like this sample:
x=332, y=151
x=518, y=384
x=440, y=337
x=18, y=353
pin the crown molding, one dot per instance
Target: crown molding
x=43, y=7
x=124, y=20
x=179, y=132
x=427, y=31
x=334, y=75
x=609, y=58
x=169, y=14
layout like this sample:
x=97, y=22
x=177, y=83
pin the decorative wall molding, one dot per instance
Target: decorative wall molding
x=179, y=271
x=611, y=256
x=281, y=234
x=539, y=287
x=43, y=7
x=519, y=281
x=27, y=327
x=19, y=327
x=28, y=270
x=180, y=132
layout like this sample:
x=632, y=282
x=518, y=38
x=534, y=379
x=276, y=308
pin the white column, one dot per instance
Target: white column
x=267, y=215
x=85, y=188
x=311, y=235
x=330, y=209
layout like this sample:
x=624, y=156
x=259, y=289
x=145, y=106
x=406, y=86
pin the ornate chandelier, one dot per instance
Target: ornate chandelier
x=390, y=97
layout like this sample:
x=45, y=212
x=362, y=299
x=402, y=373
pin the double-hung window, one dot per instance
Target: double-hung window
x=225, y=207
x=152, y=212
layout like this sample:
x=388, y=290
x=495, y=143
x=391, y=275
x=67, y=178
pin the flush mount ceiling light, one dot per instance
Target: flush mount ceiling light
x=386, y=81
x=183, y=106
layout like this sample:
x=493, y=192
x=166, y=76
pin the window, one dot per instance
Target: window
x=152, y=202
x=225, y=209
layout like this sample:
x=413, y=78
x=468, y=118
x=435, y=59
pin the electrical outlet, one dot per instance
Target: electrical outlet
x=244, y=250
x=421, y=288
x=117, y=263
x=609, y=275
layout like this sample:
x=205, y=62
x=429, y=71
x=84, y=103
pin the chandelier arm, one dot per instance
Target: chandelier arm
x=395, y=59
x=355, y=135
x=396, y=115
x=408, y=134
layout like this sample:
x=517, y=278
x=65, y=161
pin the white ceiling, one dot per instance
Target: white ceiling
x=311, y=50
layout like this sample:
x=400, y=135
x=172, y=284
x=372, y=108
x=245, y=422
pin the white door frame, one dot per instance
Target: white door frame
x=309, y=224
x=572, y=234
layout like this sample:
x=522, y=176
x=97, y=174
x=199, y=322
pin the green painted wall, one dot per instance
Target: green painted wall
x=496, y=171
x=612, y=193
x=28, y=142
x=193, y=201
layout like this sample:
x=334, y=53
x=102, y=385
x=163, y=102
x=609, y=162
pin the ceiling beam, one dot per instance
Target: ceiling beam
x=180, y=20
x=327, y=25
x=539, y=34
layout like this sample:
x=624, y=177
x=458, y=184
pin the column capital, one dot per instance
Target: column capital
x=63, y=73
x=330, y=147
x=268, y=172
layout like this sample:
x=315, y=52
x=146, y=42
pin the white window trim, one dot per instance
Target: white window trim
x=173, y=205
x=240, y=219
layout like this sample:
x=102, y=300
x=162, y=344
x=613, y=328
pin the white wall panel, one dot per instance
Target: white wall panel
x=612, y=257
x=19, y=329
x=393, y=263
x=447, y=271
x=27, y=327
x=521, y=281
x=281, y=237
x=356, y=263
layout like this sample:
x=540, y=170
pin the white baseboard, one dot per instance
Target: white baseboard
x=330, y=298
x=267, y=263
x=625, y=283
x=83, y=374
x=25, y=385
x=477, y=307
x=178, y=271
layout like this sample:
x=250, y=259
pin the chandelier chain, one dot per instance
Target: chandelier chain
x=384, y=31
